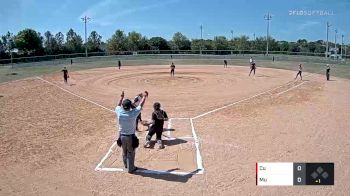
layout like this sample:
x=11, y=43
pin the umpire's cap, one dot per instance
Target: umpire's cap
x=126, y=104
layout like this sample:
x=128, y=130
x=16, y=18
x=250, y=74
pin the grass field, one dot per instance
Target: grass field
x=312, y=64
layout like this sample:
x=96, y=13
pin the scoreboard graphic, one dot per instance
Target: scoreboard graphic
x=291, y=174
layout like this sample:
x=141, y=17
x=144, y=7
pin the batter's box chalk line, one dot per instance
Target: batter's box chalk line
x=199, y=161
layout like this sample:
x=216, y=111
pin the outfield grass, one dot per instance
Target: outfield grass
x=311, y=64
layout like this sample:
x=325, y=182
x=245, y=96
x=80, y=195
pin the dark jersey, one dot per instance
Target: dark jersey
x=172, y=67
x=65, y=73
x=158, y=119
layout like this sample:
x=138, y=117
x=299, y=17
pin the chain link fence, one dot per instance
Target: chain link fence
x=170, y=54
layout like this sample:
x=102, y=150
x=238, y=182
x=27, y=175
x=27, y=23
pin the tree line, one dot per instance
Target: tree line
x=32, y=43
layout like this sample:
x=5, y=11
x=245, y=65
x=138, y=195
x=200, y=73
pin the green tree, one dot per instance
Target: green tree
x=221, y=43
x=2, y=50
x=260, y=43
x=197, y=44
x=94, y=42
x=293, y=47
x=118, y=41
x=144, y=44
x=74, y=42
x=303, y=45
x=241, y=43
x=283, y=45
x=158, y=43
x=134, y=41
x=273, y=45
x=50, y=44
x=208, y=45
x=6, y=45
x=29, y=42
x=320, y=49
x=60, y=45
x=312, y=46
x=181, y=42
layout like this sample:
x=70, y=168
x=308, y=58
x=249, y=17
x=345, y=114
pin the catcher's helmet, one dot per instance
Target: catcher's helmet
x=156, y=106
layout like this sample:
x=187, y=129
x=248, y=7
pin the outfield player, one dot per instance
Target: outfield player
x=65, y=75
x=225, y=63
x=252, y=65
x=300, y=72
x=156, y=125
x=119, y=64
x=328, y=70
x=172, y=69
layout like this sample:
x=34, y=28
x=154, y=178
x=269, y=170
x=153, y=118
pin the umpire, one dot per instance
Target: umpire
x=127, y=115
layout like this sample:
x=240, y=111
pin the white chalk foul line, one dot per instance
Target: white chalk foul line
x=291, y=88
x=246, y=99
x=76, y=94
x=181, y=118
x=105, y=157
x=198, y=153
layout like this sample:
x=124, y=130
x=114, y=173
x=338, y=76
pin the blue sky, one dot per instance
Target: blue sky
x=165, y=17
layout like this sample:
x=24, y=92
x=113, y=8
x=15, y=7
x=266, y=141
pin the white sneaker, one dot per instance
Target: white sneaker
x=146, y=145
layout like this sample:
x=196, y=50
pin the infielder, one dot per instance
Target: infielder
x=65, y=75
x=300, y=72
x=225, y=63
x=172, y=69
x=252, y=65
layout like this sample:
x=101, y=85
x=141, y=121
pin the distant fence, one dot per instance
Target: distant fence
x=166, y=54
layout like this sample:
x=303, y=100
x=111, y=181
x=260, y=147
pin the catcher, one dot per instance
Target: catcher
x=156, y=125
